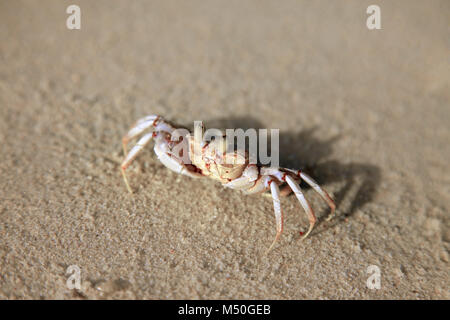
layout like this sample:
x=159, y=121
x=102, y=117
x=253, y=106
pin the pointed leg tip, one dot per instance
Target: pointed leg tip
x=277, y=237
x=126, y=181
x=331, y=215
x=128, y=187
x=268, y=250
x=307, y=233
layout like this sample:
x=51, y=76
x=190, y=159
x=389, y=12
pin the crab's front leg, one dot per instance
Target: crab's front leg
x=156, y=125
x=132, y=155
x=246, y=180
x=174, y=163
x=139, y=127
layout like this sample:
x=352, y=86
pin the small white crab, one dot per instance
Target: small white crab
x=240, y=175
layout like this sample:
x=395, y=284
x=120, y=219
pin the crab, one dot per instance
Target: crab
x=203, y=158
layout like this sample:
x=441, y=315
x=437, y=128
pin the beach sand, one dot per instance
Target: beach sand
x=365, y=112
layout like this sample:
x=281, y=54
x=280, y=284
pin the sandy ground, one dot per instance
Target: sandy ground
x=366, y=112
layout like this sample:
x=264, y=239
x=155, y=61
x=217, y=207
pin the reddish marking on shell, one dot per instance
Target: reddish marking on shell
x=155, y=122
x=229, y=180
x=154, y=134
x=301, y=233
x=283, y=177
x=268, y=183
x=298, y=173
x=205, y=146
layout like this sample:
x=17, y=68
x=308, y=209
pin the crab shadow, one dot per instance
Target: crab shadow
x=303, y=150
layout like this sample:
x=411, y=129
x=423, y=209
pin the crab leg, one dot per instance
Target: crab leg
x=260, y=185
x=174, y=163
x=305, y=204
x=321, y=192
x=247, y=180
x=299, y=175
x=143, y=124
x=132, y=155
x=140, y=126
x=286, y=190
x=277, y=209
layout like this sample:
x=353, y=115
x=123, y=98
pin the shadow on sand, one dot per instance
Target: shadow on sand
x=302, y=150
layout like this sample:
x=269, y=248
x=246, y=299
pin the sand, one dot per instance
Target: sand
x=364, y=112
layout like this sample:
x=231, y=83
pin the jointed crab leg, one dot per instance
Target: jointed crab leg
x=299, y=175
x=305, y=204
x=260, y=185
x=133, y=154
x=246, y=181
x=245, y=176
x=152, y=121
x=321, y=192
x=140, y=126
x=277, y=209
x=173, y=163
x=290, y=177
